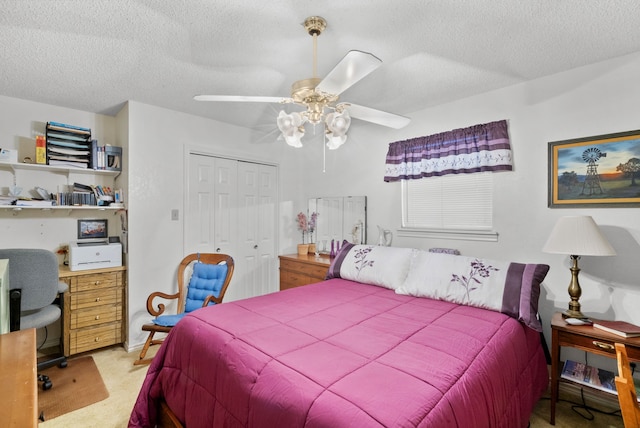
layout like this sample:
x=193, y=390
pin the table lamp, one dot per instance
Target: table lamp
x=577, y=236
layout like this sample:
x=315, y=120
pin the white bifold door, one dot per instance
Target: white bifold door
x=231, y=209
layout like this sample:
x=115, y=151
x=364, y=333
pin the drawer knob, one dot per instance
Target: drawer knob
x=97, y=299
x=97, y=282
x=97, y=317
x=97, y=339
x=605, y=346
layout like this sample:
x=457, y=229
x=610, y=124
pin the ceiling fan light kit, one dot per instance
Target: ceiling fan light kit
x=320, y=97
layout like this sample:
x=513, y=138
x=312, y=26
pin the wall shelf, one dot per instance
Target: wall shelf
x=59, y=169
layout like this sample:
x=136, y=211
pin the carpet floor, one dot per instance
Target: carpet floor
x=123, y=381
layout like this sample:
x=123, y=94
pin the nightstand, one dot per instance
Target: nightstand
x=586, y=338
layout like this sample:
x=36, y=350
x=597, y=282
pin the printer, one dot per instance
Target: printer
x=84, y=255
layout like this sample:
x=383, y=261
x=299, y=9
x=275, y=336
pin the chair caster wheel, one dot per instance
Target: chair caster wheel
x=62, y=365
x=46, y=385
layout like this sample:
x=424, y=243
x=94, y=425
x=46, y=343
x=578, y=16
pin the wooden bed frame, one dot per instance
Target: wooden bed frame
x=166, y=418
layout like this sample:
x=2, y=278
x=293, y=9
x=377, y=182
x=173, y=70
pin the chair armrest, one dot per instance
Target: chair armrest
x=211, y=298
x=161, y=306
x=63, y=287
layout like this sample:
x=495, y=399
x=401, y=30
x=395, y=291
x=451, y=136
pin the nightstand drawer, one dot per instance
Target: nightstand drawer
x=90, y=299
x=597, y=345
x=95, y=337
x=94, y=281
x=98, y=315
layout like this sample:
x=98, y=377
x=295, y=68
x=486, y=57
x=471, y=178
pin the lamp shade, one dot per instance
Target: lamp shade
x=578, y=235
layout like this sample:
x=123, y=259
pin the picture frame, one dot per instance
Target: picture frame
x=598, y=171
x=93, y=229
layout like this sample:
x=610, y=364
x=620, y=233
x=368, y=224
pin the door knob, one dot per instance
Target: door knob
x=255, y=247
x=218, y=250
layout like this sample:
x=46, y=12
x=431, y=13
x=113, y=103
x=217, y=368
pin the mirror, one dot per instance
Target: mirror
x=339, y=217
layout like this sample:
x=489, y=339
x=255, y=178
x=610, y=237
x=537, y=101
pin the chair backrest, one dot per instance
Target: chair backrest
x=626, y=390
x=185, y=270
x=35, y=272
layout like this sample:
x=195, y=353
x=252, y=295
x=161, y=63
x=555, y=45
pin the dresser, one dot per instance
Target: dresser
x=297, y=270
x=93, y=308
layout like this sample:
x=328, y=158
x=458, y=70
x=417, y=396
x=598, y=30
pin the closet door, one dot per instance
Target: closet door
x=257, y=192
x=232, y=209
x=210, y=217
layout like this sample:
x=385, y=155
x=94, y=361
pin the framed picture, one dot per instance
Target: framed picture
x=92, y=229
x=600, y=171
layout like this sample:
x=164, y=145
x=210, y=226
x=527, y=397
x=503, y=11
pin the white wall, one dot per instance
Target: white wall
x=159, y=140
x=594, y=100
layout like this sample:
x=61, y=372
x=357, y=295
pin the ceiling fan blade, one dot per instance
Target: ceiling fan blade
x=377, y=116
x=242, y=98
x=352, y=68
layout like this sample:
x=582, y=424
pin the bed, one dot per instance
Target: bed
x=345, y=353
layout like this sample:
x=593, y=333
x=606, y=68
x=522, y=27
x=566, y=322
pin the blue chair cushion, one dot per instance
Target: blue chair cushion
x=207, y=279
x=168, y=320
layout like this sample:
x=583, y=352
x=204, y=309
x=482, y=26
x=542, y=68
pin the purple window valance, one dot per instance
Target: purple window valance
x=478, y=148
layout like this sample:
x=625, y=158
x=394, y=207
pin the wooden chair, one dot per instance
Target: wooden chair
x=200, y=296
x=626, y=390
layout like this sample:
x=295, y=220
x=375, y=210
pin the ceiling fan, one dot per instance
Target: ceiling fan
x=320, y=97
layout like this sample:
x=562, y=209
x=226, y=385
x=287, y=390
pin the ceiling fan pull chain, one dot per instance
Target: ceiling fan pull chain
x=324, y=157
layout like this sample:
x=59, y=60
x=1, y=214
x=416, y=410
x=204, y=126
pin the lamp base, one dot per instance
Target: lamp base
x=570, y=313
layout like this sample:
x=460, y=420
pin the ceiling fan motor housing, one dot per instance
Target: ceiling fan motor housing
x=304, y=92
x=315, y=25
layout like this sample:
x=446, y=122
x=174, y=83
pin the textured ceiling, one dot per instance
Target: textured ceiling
x=95, y=55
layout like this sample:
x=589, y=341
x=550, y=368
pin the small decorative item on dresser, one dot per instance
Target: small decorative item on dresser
x=306, y=226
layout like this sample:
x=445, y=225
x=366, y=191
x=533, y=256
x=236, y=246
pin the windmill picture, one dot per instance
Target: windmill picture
x=591, y=185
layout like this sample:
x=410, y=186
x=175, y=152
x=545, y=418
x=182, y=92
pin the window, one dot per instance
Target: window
x=456, y=206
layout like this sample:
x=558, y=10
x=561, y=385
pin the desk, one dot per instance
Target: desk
x=586, y=338
x=18, y=377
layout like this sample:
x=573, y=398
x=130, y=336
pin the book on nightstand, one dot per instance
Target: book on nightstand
x=601, y=379
x=621, y=328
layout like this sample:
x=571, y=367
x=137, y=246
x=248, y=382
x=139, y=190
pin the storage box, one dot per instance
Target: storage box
x=83, y=257
x=8, y=155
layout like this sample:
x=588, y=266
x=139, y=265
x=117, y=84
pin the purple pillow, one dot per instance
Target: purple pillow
x=336, y=263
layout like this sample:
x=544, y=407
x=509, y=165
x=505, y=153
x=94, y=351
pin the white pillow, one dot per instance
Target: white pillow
x=376, y=265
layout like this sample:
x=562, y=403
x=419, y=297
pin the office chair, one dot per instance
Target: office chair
x=33, y=288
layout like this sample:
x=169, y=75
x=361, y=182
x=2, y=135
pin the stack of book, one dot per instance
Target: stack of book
x=68, y=145
x=81, y=194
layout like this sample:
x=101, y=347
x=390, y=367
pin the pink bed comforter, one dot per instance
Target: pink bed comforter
x=345, y=354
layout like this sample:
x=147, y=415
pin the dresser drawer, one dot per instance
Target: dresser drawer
x=95, y=316
x=290, y=279
x=95, y=281
x=90, y=299
x=86, y=339
x=308, y=269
